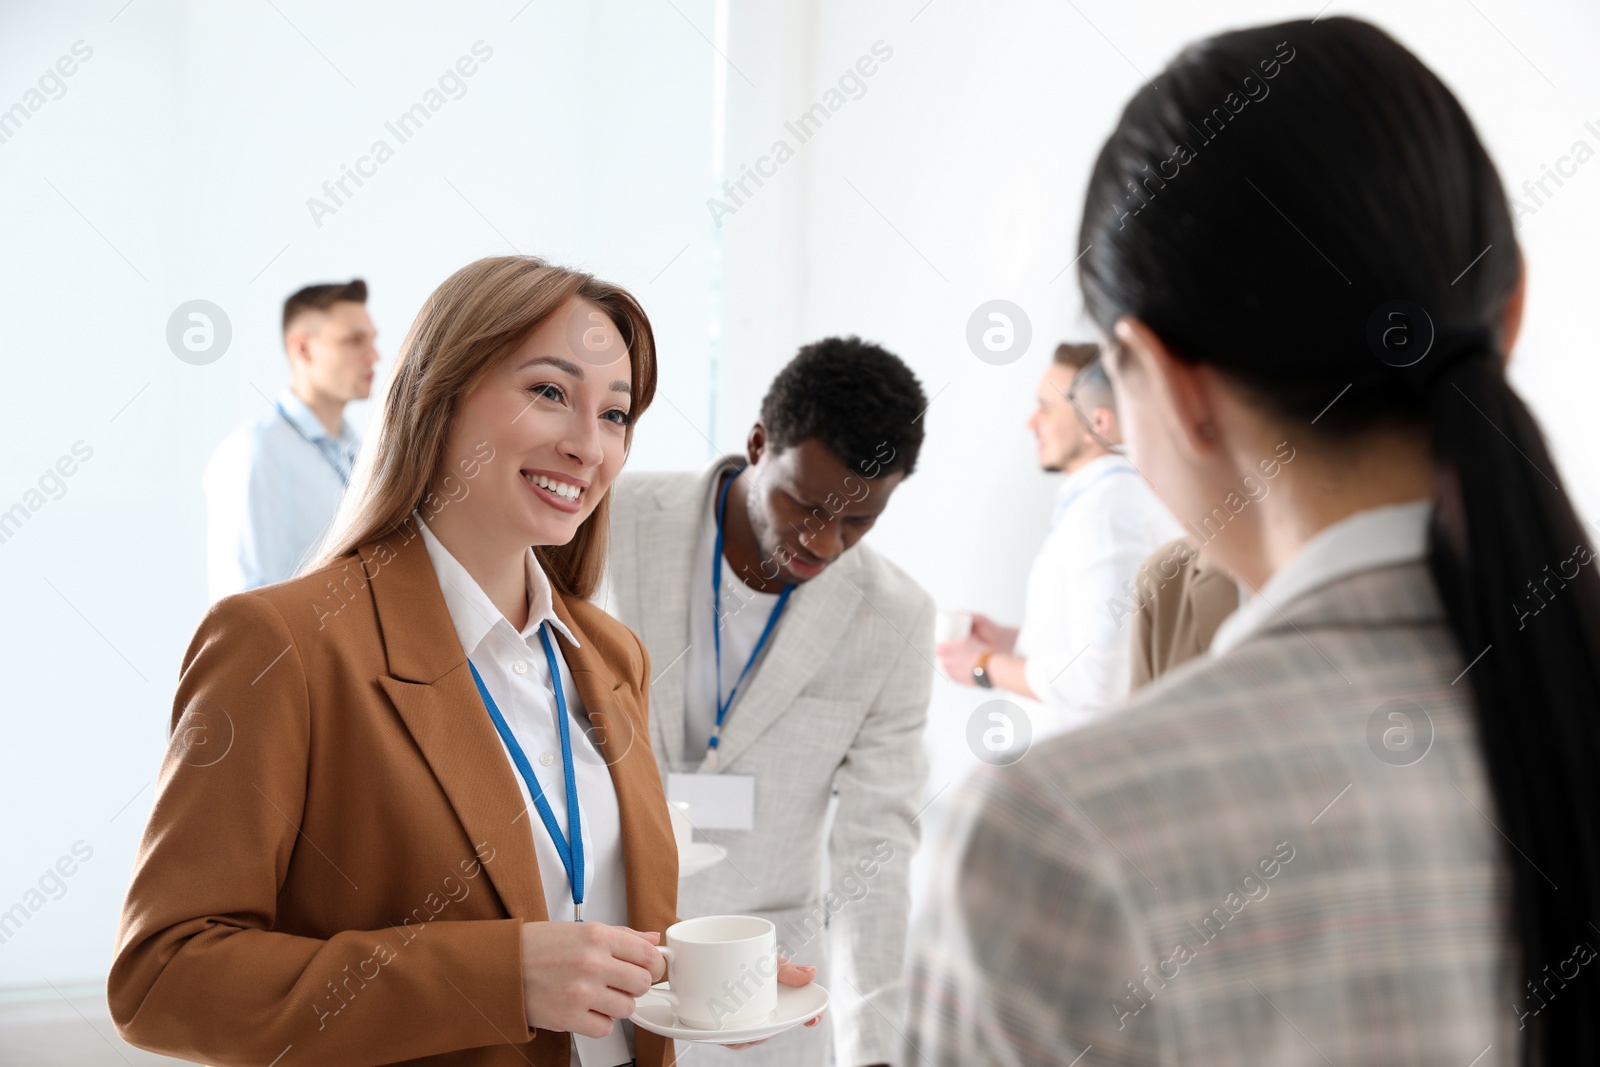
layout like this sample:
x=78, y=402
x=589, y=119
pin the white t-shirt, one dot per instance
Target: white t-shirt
x=1107, y=522
x=744, y=615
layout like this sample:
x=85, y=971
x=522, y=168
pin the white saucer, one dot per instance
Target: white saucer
x=699, y=856
x=796, y=1005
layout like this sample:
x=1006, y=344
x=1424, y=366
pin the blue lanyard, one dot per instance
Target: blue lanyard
x=344, y=478
x=716, y=626
x=570, y=847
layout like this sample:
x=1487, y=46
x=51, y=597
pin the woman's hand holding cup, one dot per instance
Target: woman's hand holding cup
x=581, y=977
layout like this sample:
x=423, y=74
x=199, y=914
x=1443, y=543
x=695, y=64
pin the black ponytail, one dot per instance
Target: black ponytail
x=1269, y=207
x=1514, y=569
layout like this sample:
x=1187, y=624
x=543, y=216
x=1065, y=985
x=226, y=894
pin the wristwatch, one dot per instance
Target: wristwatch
x=980, y=672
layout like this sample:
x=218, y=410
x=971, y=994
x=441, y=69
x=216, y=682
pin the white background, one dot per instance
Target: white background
x=178, y=163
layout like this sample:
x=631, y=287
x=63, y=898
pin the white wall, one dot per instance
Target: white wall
x=189, y=142
x=958, y=178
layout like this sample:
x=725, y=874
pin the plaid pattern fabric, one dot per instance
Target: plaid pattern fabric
x=1238, y=868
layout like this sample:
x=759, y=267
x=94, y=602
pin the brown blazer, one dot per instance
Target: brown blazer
x=338, y=864
x=1179, y=601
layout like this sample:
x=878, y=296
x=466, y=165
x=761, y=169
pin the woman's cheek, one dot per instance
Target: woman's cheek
x=610, y=467
x=616, y=450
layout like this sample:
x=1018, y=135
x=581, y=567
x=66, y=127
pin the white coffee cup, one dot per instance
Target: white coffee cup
x=682, y=828
x=724, y=971
x=951, y=626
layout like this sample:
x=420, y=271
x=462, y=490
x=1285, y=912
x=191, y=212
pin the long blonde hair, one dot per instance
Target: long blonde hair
x=480, y=315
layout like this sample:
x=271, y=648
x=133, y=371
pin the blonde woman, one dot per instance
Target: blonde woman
x=351, y=858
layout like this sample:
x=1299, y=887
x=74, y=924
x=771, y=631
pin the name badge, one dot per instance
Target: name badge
x=716, y=801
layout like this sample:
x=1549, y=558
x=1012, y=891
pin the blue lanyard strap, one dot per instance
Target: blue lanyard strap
x=569, y=847
x=716, y=617
x=344, y=477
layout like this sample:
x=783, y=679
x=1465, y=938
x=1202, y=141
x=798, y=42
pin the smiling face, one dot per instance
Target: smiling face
x=556, y=419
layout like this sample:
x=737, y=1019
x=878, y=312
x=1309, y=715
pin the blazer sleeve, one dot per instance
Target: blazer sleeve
x=199, y=972
x=874, y=836
x=1029, y=950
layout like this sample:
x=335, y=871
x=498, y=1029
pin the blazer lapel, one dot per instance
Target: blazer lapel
x=667, y=536
x=618, y=732
x=801, y=645
x=431, y=687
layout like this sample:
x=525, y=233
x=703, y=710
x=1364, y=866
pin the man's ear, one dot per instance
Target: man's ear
x=1182, y=391
x=755, y=445
x=1104, y=421
x=297, y=343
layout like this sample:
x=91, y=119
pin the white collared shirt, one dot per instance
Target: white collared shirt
x=271, y=489
x=517, y=675
x=745, y=612
x=1376, y=537
x=1074, y=638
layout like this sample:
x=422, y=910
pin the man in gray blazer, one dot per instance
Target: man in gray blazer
x=794, y=666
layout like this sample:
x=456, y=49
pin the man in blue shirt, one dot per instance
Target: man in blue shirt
x=273, y=485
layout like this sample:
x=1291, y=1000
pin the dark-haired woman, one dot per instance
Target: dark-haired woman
x=1362, y=829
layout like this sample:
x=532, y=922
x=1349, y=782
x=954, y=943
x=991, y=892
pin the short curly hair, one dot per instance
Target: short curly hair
x=854, y=397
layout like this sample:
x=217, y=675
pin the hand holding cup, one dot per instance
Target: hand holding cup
x=580, y=978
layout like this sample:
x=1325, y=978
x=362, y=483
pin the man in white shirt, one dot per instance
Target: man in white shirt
x=793, y=672
x=273, y=485
x=1070, y=656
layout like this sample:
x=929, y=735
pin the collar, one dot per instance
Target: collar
x=1092, y=471
x=1078, y=482
x=1367, y=540
x=305, y=420
x=471, y=610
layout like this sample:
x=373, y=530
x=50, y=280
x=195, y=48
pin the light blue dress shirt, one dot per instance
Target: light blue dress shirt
x=272, y=488
x=1107, y=522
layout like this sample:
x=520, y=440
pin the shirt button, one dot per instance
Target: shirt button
x=521, y=666
x=546, y=758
